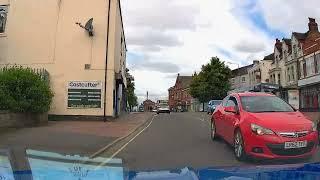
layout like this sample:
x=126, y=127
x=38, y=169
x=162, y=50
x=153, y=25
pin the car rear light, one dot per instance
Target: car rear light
x=261, y=130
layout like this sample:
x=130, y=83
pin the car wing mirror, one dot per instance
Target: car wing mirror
x=230, y=109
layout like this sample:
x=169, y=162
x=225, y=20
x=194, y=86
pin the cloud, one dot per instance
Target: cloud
x=147, y=65
x=174, y=36
x=288, y=16
x=161, y=14
x=249, y=46
x=153, y=40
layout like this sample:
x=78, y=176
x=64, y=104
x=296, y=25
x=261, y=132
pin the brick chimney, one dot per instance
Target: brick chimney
x=313, y=26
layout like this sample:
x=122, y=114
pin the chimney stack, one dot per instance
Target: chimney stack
x=278, y=44
x=313, y=26
x=255, y=62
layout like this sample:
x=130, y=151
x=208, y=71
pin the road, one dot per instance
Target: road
x=182, y=140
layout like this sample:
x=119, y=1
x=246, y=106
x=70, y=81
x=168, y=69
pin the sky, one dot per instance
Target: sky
x=167, y=37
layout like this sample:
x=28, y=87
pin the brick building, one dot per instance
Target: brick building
x=149, y=105
x=179, y=96
x=309, y=67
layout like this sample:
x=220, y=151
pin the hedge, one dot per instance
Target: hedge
x=22, y=90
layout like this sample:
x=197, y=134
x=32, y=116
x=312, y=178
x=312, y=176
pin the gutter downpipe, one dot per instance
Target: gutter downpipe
x=105, y=71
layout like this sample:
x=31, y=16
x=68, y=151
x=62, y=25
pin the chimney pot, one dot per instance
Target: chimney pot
x=313, y=26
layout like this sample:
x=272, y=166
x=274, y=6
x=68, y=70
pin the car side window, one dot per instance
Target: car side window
x=225, y=101
x=232, y=102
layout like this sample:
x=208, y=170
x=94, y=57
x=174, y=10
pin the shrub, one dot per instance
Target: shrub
x=22, y=90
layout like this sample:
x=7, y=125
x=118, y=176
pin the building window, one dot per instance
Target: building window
x=294, y=51
x=3, y=18
x=243, y=79
x=304, y=69
x=310, y=66
x=317, y=63
x=279, y=81
x=288, y=74
x=292, y=73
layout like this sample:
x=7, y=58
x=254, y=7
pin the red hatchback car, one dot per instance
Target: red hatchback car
x=263, y=126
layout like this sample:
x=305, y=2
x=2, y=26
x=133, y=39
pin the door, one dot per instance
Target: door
x=230, y=119
x=219, y=117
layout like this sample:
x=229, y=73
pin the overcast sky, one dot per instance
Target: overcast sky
x=167, y=37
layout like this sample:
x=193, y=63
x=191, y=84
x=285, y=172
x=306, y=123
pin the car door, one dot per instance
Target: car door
x=230, y=119
x=219, y=118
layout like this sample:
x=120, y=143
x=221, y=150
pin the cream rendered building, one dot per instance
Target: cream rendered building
x=44, y=34
x=259, y=73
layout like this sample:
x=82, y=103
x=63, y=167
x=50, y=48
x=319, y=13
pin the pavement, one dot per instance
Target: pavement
x=73, y=137
x=180, y=140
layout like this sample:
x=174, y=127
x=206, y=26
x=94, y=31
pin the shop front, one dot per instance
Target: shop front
x=310, y=98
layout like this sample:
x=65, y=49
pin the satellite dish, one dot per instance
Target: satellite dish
x=88, y=27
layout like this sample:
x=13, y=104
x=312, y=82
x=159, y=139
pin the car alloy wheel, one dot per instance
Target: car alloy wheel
x=319, y=135
x=239, y=146
x=213, y=131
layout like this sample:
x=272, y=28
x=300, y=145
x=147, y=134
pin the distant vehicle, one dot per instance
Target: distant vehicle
x=141, y=109
x=262, y=125
x=163, y=107
x=212, y=105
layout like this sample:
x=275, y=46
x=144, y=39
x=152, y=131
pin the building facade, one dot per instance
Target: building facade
x=179, y=95
x=309, y=62
x=51, y=35
x=149, y=105
x=240, y=78
x=259, y=72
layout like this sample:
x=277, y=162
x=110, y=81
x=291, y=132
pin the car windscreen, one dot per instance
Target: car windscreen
x=258, y=104
x=216, y=102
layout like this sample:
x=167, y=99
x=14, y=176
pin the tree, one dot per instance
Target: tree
x=131, y=97
x=212, y=82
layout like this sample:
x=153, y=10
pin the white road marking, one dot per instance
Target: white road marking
x=125, y=145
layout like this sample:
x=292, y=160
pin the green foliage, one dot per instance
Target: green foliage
x=22, y=90
x=212, y=82
x=131, y=97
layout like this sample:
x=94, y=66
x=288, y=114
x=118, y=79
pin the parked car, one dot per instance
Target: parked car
x=212, y=105
x=263, y=126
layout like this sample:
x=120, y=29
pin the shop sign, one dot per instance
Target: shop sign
x=293, y=97
x=84, y=94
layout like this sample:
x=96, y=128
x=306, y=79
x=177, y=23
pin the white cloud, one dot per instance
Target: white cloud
x=288, y=16
x=187, y=34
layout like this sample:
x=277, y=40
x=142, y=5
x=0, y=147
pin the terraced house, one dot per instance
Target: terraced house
x=309, y=63
x=80, y=43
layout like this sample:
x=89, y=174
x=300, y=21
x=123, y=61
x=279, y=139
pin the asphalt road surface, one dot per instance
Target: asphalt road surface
x=180, y=140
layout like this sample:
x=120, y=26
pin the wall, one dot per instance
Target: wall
x=238, y=83
x=44, y=34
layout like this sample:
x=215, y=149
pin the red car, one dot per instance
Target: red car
x=262, y=125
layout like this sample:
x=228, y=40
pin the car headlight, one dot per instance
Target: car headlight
x=314, y=126
x=260, y=130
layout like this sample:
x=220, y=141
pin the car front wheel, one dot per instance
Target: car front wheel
x=319, y=135
x=213, y=131
x=239, y=151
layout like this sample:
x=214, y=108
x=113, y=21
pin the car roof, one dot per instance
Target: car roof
x=253, y=94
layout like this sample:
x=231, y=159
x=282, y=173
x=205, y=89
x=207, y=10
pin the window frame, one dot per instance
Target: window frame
x=5, y=8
